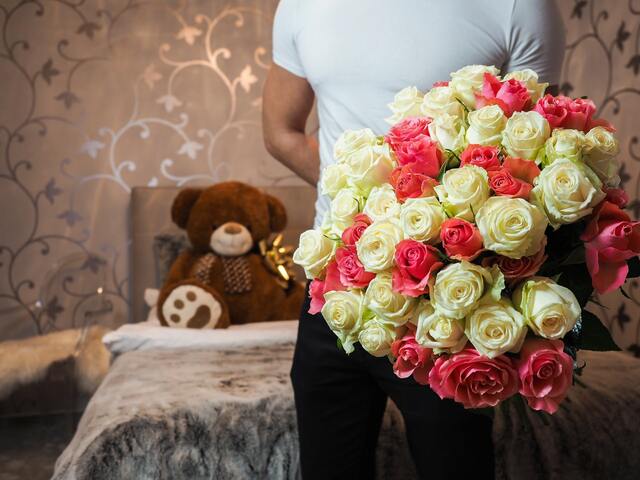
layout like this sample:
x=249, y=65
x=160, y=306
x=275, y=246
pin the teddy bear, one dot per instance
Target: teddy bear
x=223, y=278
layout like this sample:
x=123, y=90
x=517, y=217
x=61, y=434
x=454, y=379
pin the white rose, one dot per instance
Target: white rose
x=343, y=311
x=382, y=203
x=468, y=81
x=314, y=252
x=440, y=333
x=406, y=103
x=343, y=208
x=530, y=79
x=567, y=192
x=463, y=191
x=391, y=308
x=377, y=245
x=449, y=132
x=441, y=100
x=459, y=286
x=334, y=179
x=369, y=167
x=486, y=125
x=563, y=143
x=524, y=134
x=351, y=141
x=511, y=227
x=421, y=219
x=495, y=327
x=601, y=148
x=376, y=338
x=549, y=309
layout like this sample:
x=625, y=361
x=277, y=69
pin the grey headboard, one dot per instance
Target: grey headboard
x=150, y=216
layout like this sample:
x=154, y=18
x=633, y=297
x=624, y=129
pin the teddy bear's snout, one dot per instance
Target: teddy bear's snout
x=231, y=239
x=232, y=228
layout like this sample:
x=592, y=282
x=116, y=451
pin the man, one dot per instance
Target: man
x=353, y=56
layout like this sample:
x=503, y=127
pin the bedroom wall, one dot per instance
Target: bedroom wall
x=98, y=96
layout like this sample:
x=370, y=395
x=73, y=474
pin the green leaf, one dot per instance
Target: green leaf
x=576, y=256
x=634, y=267
x=594, y=335
x=577, y=279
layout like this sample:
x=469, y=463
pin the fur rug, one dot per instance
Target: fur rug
x=229, y=414
x=26, y=361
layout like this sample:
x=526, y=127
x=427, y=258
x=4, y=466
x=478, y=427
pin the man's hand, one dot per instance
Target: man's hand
x=286, y=103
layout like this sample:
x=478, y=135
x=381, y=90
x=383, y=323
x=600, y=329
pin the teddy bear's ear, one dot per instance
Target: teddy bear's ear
x=277, y=214
x=182, y=205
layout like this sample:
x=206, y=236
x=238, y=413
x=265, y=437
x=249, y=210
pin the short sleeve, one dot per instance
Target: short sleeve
x=536, y=39
x=286, y=25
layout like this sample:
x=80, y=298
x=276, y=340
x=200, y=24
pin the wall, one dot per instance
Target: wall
x=100, y=95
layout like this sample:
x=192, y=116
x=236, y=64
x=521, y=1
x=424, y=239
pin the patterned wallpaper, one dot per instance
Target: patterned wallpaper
x=98, y=96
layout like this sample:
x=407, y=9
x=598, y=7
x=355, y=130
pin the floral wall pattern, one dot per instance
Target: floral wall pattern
x=99, y=96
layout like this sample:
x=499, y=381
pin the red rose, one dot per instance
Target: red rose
x=407, y=130
x=460, y=239
x=481, y=156
x=525, y=170
x=318, y=287
x=415, y=263
x=505, y=184
x=409, y=182
x=511, y=95
x=617, y=196
x=352, y=273
x=353, y=233
x=611, y=238
x=411, y=358
x=546, y=373
x=422, y=152
x=517, y=269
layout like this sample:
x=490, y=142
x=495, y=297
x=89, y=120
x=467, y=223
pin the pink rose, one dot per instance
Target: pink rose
x=415, y=263
x=441, y=83
x=408, y=130
x=460, y=239
x=611, y=238
x=617, y=196
x=422, y=152
x=318, y=287
x=505, y=184
x=409, y=182
x=515, y=270
x=579, y=114
x=481, y=156
x=511, y=95
x=545, y=373
x=353, y=233
x=554, y=109
x=474, y=380
x=564, y=112
x=411, y=358
x=352, y=273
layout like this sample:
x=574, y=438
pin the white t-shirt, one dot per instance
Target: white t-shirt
x=357, y=54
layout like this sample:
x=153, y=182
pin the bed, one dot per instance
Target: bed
x=220, y=406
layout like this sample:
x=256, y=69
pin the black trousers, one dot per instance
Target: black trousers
x=340, y=400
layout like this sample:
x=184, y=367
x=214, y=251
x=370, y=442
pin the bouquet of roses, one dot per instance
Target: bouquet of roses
x=465, y=243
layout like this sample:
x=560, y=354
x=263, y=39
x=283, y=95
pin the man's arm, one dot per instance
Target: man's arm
x=286, y=103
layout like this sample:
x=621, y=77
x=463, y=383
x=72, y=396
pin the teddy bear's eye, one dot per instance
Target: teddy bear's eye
x=214, y=226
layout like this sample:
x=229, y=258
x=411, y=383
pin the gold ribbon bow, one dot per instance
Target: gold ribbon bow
x=278, y=259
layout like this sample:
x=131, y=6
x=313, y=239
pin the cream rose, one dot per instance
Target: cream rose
x=496, y=327
x=343, y=208
x=449, y=131
x=314, y=252
x=376, y=338
x=567, y=192
x=440, y=333
x=601, y=148
x=343, y=313
x=563, y=143
x=463, y=191
x=468, y=81
x=459, y=286
x=524, y=134
x=421, y=219
x=441, y=100
x=530, y=79
x=369, y=167
x=511, y=227
x=382, y=203
x=549, y=309
x=390, y=307
x=334, y=179
x=406, y=103
x=377, y=245
x=351, y=141
x=486, y=125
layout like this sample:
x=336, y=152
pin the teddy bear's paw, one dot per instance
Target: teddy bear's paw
x=189, y=306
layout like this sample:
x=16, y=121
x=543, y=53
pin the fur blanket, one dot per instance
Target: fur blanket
x=196, y=414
